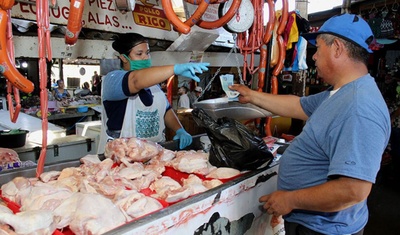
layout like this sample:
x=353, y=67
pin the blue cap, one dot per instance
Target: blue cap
x=350, y=27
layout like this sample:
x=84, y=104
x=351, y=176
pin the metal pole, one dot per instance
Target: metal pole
x=302, y=7
x=346, y=6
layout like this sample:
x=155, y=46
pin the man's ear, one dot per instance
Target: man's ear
x=338, y=47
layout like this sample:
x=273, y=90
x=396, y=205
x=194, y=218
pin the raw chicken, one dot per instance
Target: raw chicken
x=212, y=183
x=191, y=162
x=143, y=206
x=177, y=194
x=68, y=172
x=100, y=195
x=192, y=179
x=6, y=230
x=109, y=186
x=133, y=149
x=164, y=184
x=131, y=170
x=71, y=183
x=136, y=204
x=43, y=197
x=40, y=222
x=50, y=175
x=169, y=189
x=90, y=158
x=166, y=155
x=85, y=187
x=156, y=166
x=8, y=156
x=145, y=180
x=223, y=173
x=122, y=197
x=195, y=184
x=131, y=173
x=98, y=171
x=89, y=214
x=11, y=189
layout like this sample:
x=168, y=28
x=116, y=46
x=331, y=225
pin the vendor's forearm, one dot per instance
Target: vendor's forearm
x=172, y=121
x=144, y=78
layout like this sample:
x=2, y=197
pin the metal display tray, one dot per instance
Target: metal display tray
x=7, y=176
x=222, y=107
x=251, y=184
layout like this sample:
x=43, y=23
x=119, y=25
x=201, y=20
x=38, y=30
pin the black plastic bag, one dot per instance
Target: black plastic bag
x=232, y=143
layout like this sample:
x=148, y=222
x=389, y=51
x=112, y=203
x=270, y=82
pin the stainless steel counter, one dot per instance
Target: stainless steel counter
x=26, y=122
x=234, y=202
x=71, y=147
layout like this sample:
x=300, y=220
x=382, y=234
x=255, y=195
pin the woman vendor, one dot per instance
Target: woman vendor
x=134, y=104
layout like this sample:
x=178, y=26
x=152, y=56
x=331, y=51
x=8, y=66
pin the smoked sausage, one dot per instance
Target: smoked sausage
x=74, y=25
x=6, y=66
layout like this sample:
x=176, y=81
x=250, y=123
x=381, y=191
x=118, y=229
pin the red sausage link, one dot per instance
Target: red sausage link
x=223, y=20
x=74, y=24
x=6, y=4
x=6, y=67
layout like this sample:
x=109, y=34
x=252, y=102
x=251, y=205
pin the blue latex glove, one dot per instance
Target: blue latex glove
x=185, y=139
x=190, y=69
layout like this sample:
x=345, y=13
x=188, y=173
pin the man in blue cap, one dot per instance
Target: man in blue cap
x=326, y=173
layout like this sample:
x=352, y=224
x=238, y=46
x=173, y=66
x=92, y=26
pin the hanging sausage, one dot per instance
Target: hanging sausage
x=74, y=24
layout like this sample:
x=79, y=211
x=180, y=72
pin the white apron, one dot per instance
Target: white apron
x=139, y=120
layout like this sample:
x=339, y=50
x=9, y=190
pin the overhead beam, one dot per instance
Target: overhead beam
x=26, y=46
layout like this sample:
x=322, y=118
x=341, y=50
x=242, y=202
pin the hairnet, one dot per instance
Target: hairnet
x=124, y=43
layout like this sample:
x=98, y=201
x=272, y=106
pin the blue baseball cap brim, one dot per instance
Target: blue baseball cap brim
x=350, y=27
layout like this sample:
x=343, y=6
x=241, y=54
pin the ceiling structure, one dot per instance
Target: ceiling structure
x=99, y=41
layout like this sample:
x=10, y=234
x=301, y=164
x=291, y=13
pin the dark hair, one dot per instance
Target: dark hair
x=124, y=43
x=185, y=88
x=86, y=85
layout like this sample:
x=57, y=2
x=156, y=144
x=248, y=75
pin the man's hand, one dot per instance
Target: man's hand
x=245, y=92
x=277, y=203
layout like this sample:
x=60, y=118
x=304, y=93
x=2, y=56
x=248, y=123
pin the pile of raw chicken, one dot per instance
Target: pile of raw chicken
x=8, y=157
x=98, y=196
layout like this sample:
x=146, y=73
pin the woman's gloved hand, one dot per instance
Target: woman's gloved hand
x=185, y=139
x=190, y=69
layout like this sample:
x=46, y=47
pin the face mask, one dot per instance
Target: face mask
x=138, y=64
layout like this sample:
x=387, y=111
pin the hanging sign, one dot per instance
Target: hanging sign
x=103, y=15
x=151, y=17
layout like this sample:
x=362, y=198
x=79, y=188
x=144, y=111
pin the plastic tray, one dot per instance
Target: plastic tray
x=222, y=107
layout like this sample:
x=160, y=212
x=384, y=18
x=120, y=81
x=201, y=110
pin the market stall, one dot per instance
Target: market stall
x=231, y=205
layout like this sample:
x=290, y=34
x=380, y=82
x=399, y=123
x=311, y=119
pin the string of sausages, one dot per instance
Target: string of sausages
x=43, y=22
x=12, y=90
x=195, y=19
x=278, y=66
x=255, y=39
x=15, y=80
